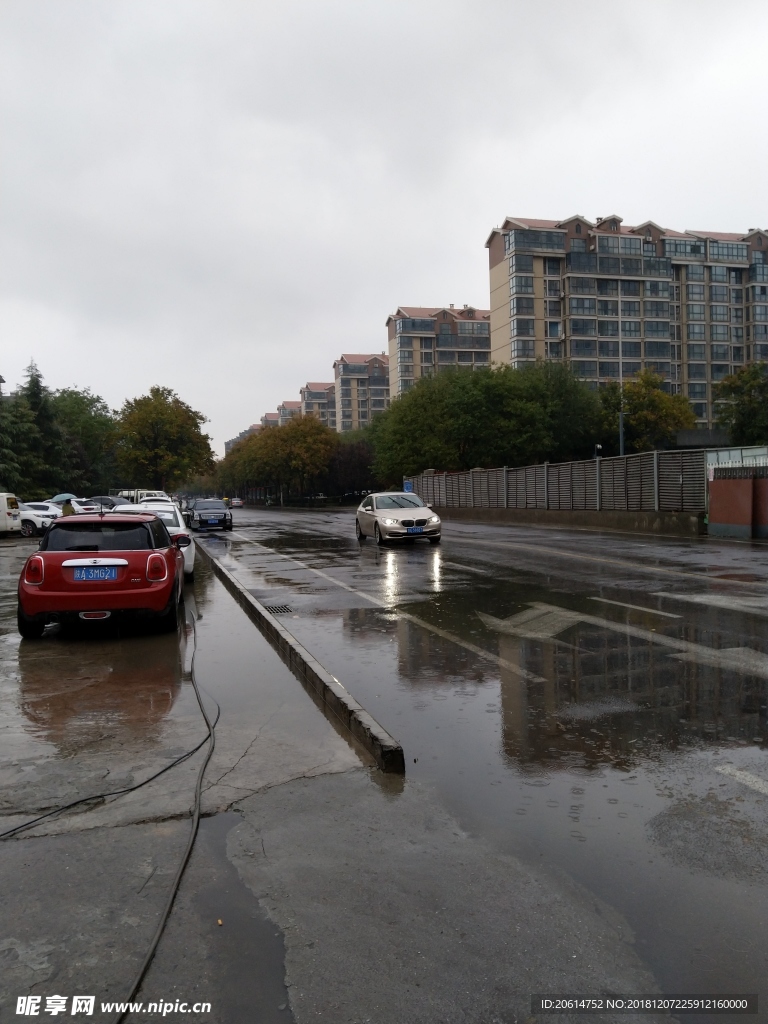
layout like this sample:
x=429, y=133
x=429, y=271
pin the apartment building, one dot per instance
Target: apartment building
x=270, y=419
x=613, y=299
x=361, y=389
x=423, y=339
x=286, y=411
x=314, y=400
x=229, y=445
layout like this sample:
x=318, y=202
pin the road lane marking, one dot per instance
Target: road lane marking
x=466, y=568
x=510, y=666
x=746, y=778
x=636, y=607
x=731, y=604
x=601, y=559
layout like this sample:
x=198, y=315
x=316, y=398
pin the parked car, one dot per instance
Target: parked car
x=174, y=524
x=83, y=506
x=209, y=512
x=108, y=500
x=49, y=508
x=10, y=517
x=34, y=521
x=92, y=567
x=395, y=515
x=236, y=503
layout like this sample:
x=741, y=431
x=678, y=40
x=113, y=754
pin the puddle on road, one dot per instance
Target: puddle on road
x=589, y=748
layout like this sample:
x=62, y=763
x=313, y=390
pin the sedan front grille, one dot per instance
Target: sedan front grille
x=421, y=522
x=406, y=522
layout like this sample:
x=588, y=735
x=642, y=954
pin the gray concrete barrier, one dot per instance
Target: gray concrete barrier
x=671, y=524
x=337, y=700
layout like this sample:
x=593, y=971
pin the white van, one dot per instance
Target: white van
x=140, y=494
x=10, y=515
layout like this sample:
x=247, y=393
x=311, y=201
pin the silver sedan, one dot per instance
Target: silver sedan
x=396, y=515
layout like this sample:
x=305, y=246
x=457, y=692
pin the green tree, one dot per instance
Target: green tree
x=46, y=463
x=160, y=441
x=491, y=417
x=20, y=464
x=89, y=432
x=743, y=409
x=652, y=416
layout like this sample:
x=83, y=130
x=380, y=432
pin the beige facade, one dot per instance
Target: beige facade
x=361, y=389
x=314, y=400
x=425, y=339
x=613, y=300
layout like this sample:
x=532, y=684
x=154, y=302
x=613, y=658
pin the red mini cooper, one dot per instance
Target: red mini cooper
x=92, y=567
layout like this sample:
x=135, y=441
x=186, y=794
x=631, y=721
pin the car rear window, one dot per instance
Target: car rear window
x=101, y=537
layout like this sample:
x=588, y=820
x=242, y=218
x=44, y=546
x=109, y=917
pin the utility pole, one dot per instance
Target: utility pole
x=621, y=426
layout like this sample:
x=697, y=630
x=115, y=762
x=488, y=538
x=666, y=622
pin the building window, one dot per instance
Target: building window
x=737, y=295
x=657, y=289
x=657, y=350
x=465, y=357
x=697, y=351
x=737, y=334
x=630, y=309
x=630, y=288
x=631, y=246
x=694, y=292
x=581, y=306
x=482, y=357
x=718, y=274
x=649, y=248
x=521, y=284
x=657, y=329
x=519, y=306
x=720, y=352
x=718, y=313
x=583, y=327
x=683, y=247
x=607, y=307
x=630, y=328
x=609, y=349
x=696, y=311
x=578, y=244
x=718, y=292
x=727, y=251
x=426, y=357
x=608, y=370
x=697, y=371
x=607, y=245
x=760, y=312
x=699, y=410
x=552, y=288
x=446, y=357
x=583, y=348
x=608, y=328
x=554, y=350
x=694, y=272
x=521, y=263
x=520, y=350
x=522, y=328
x=582, y=285
x=551, y=267
x=720, y=371
x=697, y=390
x=695, y=332
x=630, y=349
x=584, y=368
x=630, y=369
x=761, y=351
x=660, y=309
x=553, y=307
x=718, y=332
x=608, y=287
x=552, y=329
x=609, y=265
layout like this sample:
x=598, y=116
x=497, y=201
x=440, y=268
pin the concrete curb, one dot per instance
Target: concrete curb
x=386, y=751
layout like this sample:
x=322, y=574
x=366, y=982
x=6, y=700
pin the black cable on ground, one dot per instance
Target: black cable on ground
x=190, y=842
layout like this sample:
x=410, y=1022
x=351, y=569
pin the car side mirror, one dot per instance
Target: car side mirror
x=181, y=542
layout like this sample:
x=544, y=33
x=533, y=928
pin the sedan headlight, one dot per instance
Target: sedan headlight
x=389, y=522
x=434, y=519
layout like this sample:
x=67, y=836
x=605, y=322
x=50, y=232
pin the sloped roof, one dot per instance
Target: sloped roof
x=355, y=357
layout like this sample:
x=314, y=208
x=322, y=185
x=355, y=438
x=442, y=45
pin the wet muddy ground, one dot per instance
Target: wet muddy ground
x=584, y=723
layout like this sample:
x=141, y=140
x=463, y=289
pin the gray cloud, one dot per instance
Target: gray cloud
x=223, y=196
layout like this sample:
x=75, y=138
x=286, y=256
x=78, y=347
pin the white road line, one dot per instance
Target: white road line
x=636, y=607
x=600, y=559
x=510, y=666
x=746, y=778
x=466, y=568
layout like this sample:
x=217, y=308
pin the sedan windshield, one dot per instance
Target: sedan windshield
x=399, y=501
x=210, y=504
x=98, y=537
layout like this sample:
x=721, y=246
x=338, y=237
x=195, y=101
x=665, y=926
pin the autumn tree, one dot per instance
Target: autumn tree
x=160, y=440
x=652, y=416
x=743, y=409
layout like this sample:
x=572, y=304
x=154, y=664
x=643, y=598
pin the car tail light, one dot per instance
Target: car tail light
x=157, y=570
x=34, y=570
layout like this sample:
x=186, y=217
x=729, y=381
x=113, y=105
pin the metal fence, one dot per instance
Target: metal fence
x=652, y=481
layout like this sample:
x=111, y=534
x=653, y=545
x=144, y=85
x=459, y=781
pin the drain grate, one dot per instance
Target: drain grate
x=278, y=609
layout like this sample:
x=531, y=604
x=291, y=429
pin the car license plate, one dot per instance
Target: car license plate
x=213, y=522
x=96, y=572
x=414, y=529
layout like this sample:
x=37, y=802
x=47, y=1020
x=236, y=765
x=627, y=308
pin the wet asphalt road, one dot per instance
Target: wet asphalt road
x=584, y=714
x=595, y=704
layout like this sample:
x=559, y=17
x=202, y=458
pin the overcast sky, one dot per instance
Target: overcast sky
x=222, y=197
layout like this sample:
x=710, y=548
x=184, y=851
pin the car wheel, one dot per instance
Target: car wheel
x=30, y=629
x=358, y=531
x=377, y=535
x=27, y=528
x=435, y=540
x=228, y=526
x=169, y=620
